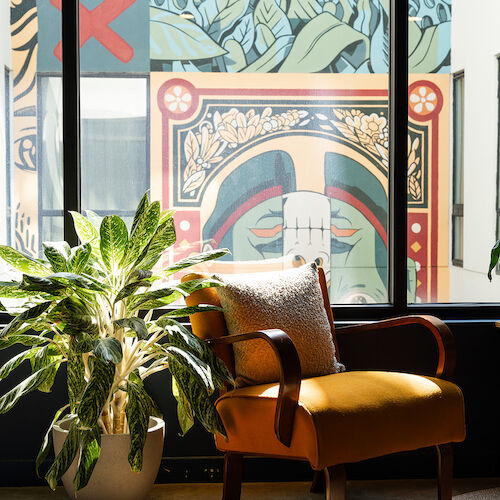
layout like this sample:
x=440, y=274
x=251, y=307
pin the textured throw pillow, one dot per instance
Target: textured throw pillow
x=290, y=300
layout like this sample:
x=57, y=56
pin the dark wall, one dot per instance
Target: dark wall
x=194, y=457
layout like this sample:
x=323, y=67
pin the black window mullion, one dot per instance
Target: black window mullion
x=398, y=133
x=71, y=115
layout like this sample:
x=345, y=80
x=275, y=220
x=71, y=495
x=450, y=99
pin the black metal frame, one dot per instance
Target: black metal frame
x=398, y=120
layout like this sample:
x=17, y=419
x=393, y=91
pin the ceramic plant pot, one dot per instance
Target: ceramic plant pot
x=112, y=478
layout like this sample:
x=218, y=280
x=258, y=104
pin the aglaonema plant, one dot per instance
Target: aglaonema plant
x=90, y=307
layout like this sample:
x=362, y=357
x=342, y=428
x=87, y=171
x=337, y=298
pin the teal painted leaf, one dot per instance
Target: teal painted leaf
x=304, y=10
x=134, y=323
x=87, y=232
x=57, y=253
x=192, y=261
x=268, y=13
x=174, y=38
x=219, y=16
x=65, y=457
x=108, y=349
x=47, y=442
x=163, y=238
x=79, y=258
x=114, y=238
x=432, y=49
x=90, y=449
x=321, y=41
x=22, y=262
x=7, y=401
x=495, y=254
x=272, y=57
x=138, y=411
x=144, y=231
x=26, y=317
x=96, y=393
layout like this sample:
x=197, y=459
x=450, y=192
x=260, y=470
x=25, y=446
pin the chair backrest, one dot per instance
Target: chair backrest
x=212, y=324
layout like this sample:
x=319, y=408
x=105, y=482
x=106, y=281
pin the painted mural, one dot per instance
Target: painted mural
x=280, y=168
x=294, y=36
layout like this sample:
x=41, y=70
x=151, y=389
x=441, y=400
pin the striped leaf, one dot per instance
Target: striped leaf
x=65, y=457
x=188, y=311
x=47, y=442
x=192, y=261
x=108, y=350
x=79, y=258
x=78, y=280
x=27, y=340
x=87, y=232
x=130, y=289
x=90, y=444
x=163, y=238
x=141, y=208
x=15, y=361
x=26, y=317
x=46, y=356
x=114, y=238
x=198, y=368
x=144, y=231
x=134, y=323
x=184, y=411
x=13, y=290
x=37, y=284
x=57, y=253
x=75, y=376
x=22, y=262
x=198, y=397
x=35, y=380
x=96, y=393
x=138, y=411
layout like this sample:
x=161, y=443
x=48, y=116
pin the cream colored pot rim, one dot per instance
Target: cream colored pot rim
x=158, y=423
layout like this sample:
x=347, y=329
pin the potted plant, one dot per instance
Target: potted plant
x=84, y=307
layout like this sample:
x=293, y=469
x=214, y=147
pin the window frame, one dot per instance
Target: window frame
x=457, y=211
x=398, y=113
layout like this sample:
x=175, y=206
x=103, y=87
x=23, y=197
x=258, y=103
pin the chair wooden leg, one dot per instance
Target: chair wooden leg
x=232, y=476
x=318, y=483
x=445, y=471
x=335, y=482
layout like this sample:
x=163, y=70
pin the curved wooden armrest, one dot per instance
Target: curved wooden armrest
x=442, y=334
x=290, y=376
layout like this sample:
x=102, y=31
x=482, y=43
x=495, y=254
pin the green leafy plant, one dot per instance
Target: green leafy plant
x=495, y=255
x=84, y=306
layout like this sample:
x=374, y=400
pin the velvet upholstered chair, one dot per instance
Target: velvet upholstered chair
x=336, y=418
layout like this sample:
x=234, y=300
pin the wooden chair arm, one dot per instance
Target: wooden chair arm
x=441, y=332
x=290, y=376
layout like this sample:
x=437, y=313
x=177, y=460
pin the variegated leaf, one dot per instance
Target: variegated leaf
x=90, y=449
x=79, y=281
x=192, y=261
x=27, y=340
x=141, y=208
x=46, y=356
x=87, y=232
x=75, y=376
x=108, y=349
x=130, y=289
x=26, y=317
x=57, y=253
x=96, y=393
x=79, y=258
x=65, y=457
x=198, y=368
x=184, y=411
x=22, y=262
x=114, y=238
x=138, y=411
x=7, y=401
x=134, y=323
x=15, y=361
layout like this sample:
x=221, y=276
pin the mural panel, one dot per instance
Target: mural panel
x=283, y=174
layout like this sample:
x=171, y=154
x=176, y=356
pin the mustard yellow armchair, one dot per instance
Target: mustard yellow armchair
x=333, y=419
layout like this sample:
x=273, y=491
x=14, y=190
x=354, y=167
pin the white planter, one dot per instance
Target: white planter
x=112, y=478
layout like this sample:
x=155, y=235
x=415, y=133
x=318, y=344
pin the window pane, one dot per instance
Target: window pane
x=458, y=138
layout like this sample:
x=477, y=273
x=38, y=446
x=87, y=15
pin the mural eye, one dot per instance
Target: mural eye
x=442, y=14
x=426, y=22
x=358, y=298
x=24, y=150
x=319, y=261
x=275, y=246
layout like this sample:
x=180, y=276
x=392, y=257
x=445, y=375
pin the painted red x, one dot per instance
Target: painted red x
x=94, y=23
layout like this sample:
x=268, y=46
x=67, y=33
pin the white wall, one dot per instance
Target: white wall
x=5, y=61
x=475, y=45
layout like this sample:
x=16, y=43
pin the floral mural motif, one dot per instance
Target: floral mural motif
x=295, y=36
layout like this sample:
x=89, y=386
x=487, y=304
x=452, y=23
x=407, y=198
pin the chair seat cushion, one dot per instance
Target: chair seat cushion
x=346, y=417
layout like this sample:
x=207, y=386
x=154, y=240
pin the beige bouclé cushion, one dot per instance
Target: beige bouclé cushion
x=290, y=300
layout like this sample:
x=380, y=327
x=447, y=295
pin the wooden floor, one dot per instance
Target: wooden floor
x=357, y=490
